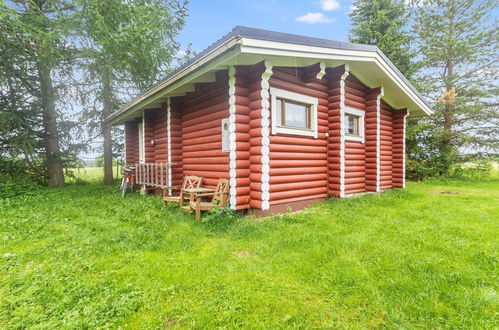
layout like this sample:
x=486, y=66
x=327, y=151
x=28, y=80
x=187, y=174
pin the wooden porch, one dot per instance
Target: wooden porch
x=154, y=175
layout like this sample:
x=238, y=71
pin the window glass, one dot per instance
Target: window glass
x=293, y=114
x=351, y=125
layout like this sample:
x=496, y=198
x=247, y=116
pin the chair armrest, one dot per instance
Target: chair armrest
x=209, y=194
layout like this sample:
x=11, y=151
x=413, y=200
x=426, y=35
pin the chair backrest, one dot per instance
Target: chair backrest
x=192, y=181
x=222, y=191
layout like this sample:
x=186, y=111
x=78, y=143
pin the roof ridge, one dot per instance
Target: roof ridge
x=298, y=37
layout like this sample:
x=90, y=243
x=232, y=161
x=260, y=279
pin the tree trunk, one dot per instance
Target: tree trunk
x=449, y=106
x=107, y=95
x=52, y=149
x=448, y=80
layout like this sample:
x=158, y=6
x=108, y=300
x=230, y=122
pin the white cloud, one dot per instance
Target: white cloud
x=312, y=18
x=328, y=5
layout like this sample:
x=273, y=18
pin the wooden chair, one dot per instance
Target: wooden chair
x=218, y=200
x=190, y=181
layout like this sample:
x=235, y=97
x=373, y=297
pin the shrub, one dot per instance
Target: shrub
x=11, y=186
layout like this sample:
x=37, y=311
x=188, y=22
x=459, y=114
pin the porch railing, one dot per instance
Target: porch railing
x=152, y=174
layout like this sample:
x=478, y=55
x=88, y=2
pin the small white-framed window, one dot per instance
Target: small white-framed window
x=293, y=113
x=353, y=120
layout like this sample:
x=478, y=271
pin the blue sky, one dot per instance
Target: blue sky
x=209, y=20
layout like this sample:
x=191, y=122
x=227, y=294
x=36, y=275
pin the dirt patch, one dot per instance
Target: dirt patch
x=244, y=253
x=169, y=323
x=449, y=193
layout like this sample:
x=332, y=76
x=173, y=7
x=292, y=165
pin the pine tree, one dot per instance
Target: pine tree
x=458, y=45
x=382, y=23
x=127, y=45
x=34, y=55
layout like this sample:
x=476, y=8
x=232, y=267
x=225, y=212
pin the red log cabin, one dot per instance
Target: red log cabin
x=289, y=120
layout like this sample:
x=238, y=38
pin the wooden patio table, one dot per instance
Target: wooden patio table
x=192, y=193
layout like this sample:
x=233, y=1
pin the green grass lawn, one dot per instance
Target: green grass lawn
x=424, y=257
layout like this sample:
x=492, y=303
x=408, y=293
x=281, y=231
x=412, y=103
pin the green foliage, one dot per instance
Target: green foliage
x=383, y=23
x=480, y=168
x=21, y=147
x=21, y=167
x=82, y=257
x=458, y=46
x=427, y=156
x=57, y=54
x=125, y=47
x=130, y=40
x=219, y=215
x=18, y=185
x=35, y=63
x=458, y=43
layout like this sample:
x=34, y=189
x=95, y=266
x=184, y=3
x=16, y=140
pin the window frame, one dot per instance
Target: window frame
x=300, y=99
x=361, y=122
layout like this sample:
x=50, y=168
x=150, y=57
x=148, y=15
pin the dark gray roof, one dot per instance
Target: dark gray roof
x=248, y=32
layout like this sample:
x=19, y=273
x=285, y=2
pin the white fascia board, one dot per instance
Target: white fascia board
x=300, y=53
x=389, y=71
x=284, y=46
x=266, y=47
x=180, y=78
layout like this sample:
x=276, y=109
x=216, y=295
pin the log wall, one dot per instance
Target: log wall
x=242, y=138
x=156, y=140
x=202, y=114
x=155, y=136
x=333, y=77
x=176, y=141
x=398, y=148
x=150, y=116
x=255, y=133
x=298, y=164
x=386, y=150
x=161, y=136
x=355, y=152
x=132, y=142
x=371, y=127
x=299, y=167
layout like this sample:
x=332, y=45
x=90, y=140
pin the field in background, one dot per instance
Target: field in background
x=92, y=174
x=82, y=257
x=495, y=170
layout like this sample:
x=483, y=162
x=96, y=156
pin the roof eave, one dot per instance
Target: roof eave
x=162, y=88
x=248, y=40
x=249, y=45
